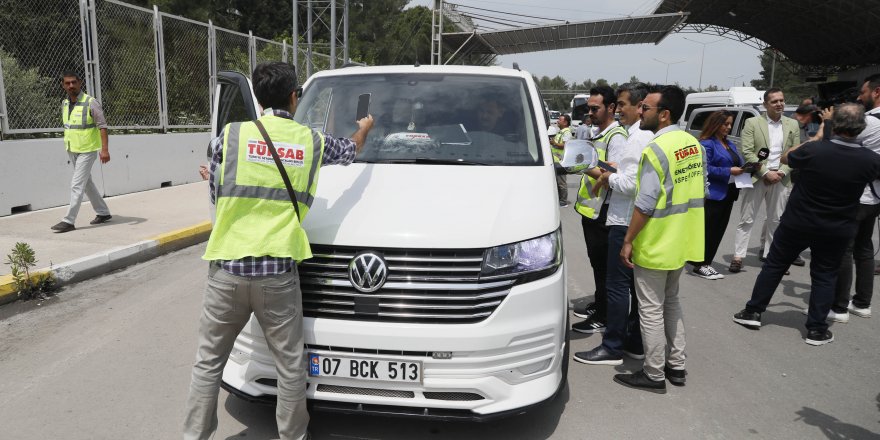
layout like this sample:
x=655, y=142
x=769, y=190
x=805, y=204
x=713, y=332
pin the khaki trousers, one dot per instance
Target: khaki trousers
x=661, y=320
x=276, y=302
x=81, y=184
x=774, y=197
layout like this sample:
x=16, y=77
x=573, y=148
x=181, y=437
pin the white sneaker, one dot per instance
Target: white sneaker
x=842, y=318
x=715, y=273
x=706, y=272
x=861, y=313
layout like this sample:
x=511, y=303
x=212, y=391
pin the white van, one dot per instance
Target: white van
x=736, y=96
x=464, y=314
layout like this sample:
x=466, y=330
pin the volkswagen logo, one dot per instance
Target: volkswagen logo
x=367, y=272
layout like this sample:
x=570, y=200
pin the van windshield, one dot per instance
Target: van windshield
x=429, y=118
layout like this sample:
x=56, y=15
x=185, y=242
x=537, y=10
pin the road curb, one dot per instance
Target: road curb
x=113, y=259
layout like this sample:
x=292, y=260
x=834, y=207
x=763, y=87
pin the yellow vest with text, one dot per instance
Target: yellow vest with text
x=81, y=135
x=555, y=151
x=255, y=217
x=675, y=232
x=587, y=204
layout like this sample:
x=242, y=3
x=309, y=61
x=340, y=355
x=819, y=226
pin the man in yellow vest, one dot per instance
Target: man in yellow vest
x=255, y=244
x=557, y=148
x=85, y=139
x=607, y=136
x=666, y=230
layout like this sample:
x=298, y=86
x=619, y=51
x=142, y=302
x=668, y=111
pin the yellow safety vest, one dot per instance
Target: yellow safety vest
x=556, y=151
x=254, y=213
x=675, y=233
x=587, y=204
x=81, y=135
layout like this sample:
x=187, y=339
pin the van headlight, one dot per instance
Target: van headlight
x=525, y=257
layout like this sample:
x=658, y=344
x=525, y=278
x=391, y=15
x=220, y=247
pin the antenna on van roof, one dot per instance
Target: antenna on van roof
x=516, y=66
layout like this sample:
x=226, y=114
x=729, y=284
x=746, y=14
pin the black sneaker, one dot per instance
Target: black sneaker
x=799, y=262
x=62, y=227
x=748, y=319
x=675, y=377
x=563, y=204
x=101, y=219
x=819, y=337
x=591, y=325
x=640, y=381
x=598, y=356
x=585, y=312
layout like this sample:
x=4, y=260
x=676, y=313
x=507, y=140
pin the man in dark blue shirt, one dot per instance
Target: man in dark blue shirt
x=820, y=215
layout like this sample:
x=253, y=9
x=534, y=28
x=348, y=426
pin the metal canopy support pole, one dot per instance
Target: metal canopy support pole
x=309, y=39
x=295, y=37
x=87, y=72
x=284, y=50
x=252, y=52
x=773, y=69
x=160, y=70
x=437, y=33
x=460, y=47
x=4, y=115
x=212, y=61
x=333, y=34
x=345, y=53
x=93, y=45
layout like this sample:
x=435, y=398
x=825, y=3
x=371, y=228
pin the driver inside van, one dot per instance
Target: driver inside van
x=489, y=116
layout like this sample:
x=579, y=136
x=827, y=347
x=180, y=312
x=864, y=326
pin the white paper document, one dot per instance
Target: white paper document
x=744, y=180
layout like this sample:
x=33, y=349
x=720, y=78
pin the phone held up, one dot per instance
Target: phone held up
x=363, y=108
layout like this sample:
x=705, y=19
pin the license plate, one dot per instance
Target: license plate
x=364, y=368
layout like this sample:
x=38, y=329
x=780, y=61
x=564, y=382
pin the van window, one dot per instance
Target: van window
x=690, y=109
x=699, y=120
x=742, y=122
x=440, y=118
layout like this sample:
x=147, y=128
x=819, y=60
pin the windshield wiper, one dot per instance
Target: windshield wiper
x=432, y=161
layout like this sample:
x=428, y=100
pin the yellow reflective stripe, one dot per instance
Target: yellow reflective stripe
x=680, y=208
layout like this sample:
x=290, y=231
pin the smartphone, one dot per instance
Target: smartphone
x=606, y=167
x=363, y=106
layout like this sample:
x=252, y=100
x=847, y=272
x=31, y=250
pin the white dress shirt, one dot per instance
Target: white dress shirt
x=870, y=139
x=776, y=134
x=623, y=182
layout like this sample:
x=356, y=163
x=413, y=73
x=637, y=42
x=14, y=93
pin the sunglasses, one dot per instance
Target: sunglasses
x=646, y=107
x=299, y=92
x=594, y=108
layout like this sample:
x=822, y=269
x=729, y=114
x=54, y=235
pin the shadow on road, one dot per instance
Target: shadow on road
x=833, y=428
x=538, y=423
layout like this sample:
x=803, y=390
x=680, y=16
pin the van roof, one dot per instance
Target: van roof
x=470, y=70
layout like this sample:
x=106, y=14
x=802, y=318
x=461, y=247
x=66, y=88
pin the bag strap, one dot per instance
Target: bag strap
x=281, y=170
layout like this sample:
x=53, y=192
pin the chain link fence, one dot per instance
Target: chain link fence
x=149, y=69
x=34, y=49
x=127, y=48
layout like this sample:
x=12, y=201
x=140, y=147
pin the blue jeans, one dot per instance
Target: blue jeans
x=622, y=326
x=788, y=243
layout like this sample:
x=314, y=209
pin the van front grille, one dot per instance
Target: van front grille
x=423, y=286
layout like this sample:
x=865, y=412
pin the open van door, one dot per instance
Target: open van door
x=234, y=101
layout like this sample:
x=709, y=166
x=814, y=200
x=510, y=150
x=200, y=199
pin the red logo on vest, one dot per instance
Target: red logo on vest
x=686, y=151
x=290, y=155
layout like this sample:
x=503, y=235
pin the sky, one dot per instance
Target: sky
x=727, y=62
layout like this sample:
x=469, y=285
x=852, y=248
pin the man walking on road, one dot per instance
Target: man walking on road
x=821, y=215
x=557, y=149
x=255, y=244
x=85, y=139
x=666, y=231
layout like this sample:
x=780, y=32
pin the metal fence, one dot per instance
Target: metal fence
x=149, y=69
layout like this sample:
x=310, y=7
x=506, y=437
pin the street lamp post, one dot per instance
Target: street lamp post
x=667, y=67
x=702, y=56
x=734, y=78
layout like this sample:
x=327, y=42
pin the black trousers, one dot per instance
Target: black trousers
x=596, y=236
x=860, y=250
x=788, y=243
x=717, y=214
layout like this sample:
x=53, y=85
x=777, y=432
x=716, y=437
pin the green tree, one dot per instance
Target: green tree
x=785, y=77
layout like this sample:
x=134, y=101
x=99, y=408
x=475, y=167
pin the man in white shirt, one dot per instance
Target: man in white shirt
x=775, y=134
x=861, y=248
x=622, y=334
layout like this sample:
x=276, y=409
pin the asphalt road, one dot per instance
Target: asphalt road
x=110, y=359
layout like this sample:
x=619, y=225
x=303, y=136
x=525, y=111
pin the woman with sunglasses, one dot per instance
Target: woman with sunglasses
x=723, y=161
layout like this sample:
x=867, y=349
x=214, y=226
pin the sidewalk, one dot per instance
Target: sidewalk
x=144, y=225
